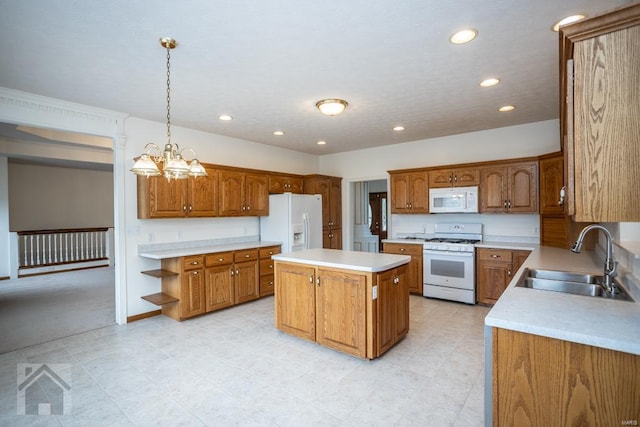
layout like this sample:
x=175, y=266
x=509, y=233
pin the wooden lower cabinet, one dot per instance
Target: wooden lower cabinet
x=267, y=270
x=336, y=307
x=199, y=284
x=540, y=381
x=494, y=271
x=415, y=267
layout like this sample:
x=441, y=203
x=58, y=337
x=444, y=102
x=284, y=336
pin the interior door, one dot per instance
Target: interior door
x=378, y=215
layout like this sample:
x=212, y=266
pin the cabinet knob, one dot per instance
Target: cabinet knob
x=194, y=262
x=495, y=256
x=190, y=208
x=311, y=279
x=509, y=273
x=231, y=271
x=184, y=208
x=220, y=259
x=247, y=256
x=195, y=273
x=237, y=271
x=505, y=204
x=402, y=249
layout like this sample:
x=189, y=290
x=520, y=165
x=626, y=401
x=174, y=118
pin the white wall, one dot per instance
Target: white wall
x=211, y=148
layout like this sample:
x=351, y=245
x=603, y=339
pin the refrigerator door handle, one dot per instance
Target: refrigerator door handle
x=305, y=220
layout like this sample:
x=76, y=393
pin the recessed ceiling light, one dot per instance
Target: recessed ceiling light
x=506, y=108
x=489, y=82
x=225, y=117
x=463, y=36
x=321, y=142
x=278, y=133
x=398, y=128
x=565, y=21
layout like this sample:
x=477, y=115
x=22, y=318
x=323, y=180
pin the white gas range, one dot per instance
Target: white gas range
x=449, y=262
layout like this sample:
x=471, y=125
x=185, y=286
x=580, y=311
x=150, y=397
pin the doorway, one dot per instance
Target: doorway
x=378, y=215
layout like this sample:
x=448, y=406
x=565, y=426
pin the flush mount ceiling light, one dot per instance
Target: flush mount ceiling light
x=506, y=108
x=565, y=21
x=174, y=166
x=490, y=82
x=463, y=36
x=331, y=107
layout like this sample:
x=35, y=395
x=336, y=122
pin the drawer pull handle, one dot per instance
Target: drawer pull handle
x=220, y=259
x=495, y=256
x=247, y=256
x=194, y=262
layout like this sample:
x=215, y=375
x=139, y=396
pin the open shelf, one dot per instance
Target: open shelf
x=159, y=273
x=160, y=298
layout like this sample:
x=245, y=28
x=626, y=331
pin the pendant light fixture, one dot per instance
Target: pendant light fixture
x=173, y=164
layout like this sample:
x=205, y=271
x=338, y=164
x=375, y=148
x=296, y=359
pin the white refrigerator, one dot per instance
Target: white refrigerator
x=295, y=220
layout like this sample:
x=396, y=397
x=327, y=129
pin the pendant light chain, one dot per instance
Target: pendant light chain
x=168, y=94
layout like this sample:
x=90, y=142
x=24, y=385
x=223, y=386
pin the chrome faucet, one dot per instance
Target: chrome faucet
x=610, y=266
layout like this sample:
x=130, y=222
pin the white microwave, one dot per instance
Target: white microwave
x=453, y=200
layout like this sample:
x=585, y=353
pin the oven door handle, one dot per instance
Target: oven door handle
x=448, y=253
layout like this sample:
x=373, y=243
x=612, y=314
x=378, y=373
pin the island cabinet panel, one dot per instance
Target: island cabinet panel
x=340, y=311
x=393, y=307
x=540, y=381
x=295, y=304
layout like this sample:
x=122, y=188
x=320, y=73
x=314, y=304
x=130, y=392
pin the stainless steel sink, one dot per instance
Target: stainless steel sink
x=569, y=282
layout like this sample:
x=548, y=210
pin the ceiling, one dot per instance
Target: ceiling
x=267, y=63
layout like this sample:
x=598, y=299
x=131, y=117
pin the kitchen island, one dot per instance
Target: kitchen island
x=555, y=358
x=354, y=302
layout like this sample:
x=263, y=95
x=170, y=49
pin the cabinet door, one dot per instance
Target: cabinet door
x=466, y=177
x=419, y=195
x=551, y=182
x=440, y=178
x=493, y=193
x=295, y=300
x=607, y=129
x=523, y=184
x=231, y=191
x=202, y=195
x=414, y=268
x=342, y=325
x=332, y=239
x=335, y=203
x=518, y=258
x=161, y=198
x=399, y=193
x=386, y=311
x=246, y=281
x=402, y=301
x=219, y=287
x=192, y=296
x=256, y=195
x=493, y=277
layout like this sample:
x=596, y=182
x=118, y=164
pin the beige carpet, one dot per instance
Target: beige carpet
x=39, y=309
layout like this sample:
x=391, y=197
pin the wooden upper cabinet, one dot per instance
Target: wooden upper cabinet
x=330, y=188
x=442, y=178
x=509, y=188
x=190, y=197
x=599, y=121
x=551, y=184
x=409, y=192
x=243, y=193
x=281, y=183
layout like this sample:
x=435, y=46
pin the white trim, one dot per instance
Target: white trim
x=34, y=110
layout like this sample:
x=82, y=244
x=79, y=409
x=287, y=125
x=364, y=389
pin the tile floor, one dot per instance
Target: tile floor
x=234, y=368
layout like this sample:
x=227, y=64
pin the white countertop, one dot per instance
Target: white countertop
x=518, y=246
x=349, y=260
x=587, y=320
x=401, y=240
x=203, y=249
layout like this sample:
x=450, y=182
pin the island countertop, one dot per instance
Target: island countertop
x=599, y=322
x=348, y=260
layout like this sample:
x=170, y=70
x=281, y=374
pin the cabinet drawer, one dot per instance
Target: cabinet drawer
x=219, y=258
x=267, y=252
x=266, y=266
x=403, y=249
x=245, y=255
x=500, y=255
x=192, y=262
x=266, y=285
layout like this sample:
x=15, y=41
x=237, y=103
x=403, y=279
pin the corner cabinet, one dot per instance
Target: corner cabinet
x=509, y=188
x=599, y=110
x=330, y=188
x=159, y=197
x=409, y=192
x=243, y=193
x=358, y=313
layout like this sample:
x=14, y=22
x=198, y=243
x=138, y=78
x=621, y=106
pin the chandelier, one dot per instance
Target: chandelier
x=170, y=158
